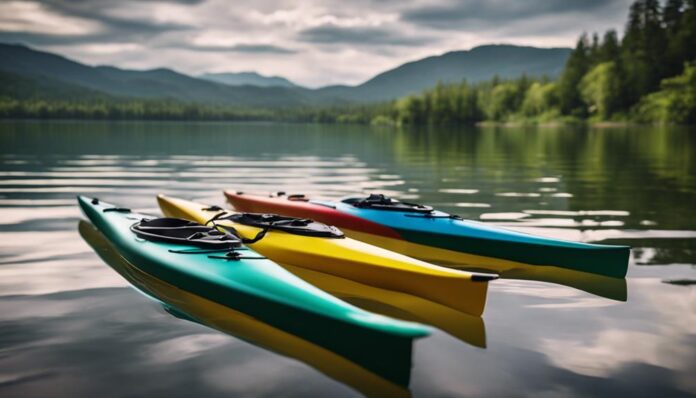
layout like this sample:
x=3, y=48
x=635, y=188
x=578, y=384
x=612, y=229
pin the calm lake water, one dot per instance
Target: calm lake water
x=70, y=325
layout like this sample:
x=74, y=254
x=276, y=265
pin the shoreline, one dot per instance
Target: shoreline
x=509, y=124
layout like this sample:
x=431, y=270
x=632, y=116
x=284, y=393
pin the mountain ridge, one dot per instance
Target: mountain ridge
x=248, y=78
x=477, y=64
x=152, y=83
x=458, y=65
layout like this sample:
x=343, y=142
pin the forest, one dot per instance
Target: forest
x=646, y=76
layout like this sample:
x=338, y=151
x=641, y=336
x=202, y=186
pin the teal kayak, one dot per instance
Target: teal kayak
x=423, y=232
x=381, y=371
x=249, y=283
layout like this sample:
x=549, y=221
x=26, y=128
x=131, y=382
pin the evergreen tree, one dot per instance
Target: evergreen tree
x=594, y=52
x=682, y=42
x=576, y=67
x=672, y=18
x=636, y=53
x=654, y=39
x=609, y=49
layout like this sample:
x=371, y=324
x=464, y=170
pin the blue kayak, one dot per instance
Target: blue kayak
x=423, y=232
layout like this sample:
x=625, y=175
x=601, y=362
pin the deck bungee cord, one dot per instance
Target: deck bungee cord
x=293, y=225
x=184, y=232
x=383, y=202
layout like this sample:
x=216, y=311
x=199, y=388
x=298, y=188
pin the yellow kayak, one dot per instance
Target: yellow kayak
x=349, y=259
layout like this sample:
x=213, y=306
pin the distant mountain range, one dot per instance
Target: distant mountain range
x=478, y=64
x=247, y=79
x=50, y=70
x=28, y=73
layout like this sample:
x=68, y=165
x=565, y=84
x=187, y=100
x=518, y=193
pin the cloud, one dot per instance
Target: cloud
x=46, y=39
x=332, y=34
x=551, y=23
x=314, y=42
x=83, y=21
x=468, y=14
x=244, y=48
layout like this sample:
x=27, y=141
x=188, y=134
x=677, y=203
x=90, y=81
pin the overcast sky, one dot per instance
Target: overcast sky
x=310, y=42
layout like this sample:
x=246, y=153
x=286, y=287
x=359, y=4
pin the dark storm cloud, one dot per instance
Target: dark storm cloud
x=41, y=39
x=329, y=33
x=479, y=12
x=244, y=48
x=102, y=3
x=136, y=27
x=116, y=33
x=114, y=28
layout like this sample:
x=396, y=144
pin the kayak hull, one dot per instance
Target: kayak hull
x=354, y=260
x=256, y=287
x=443, y=239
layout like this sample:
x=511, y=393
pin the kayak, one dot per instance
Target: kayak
x=425, y=233
x=248, y=283
x=384, y=370
x=347, y=258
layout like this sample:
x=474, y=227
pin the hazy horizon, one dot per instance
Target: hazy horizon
x=314, y=44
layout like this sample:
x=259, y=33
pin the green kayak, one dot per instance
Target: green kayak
x=248, y=283
x=373, y=372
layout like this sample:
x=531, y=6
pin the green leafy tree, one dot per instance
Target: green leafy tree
x=541, y=98
x=505, y=99
x=674, y=103
x=599, y=89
